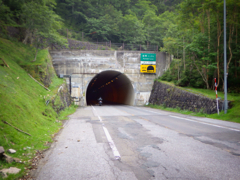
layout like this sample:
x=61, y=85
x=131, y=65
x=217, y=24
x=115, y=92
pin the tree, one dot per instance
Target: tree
x=132, y=29
x=41, y=25
x=105, y=27
x=142, y=6
x=201, y=56
x=152, y=26
x=6, y=16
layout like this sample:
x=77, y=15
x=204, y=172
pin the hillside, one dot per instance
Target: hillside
x=27, y=121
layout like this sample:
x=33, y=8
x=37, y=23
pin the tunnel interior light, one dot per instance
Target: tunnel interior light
x=107, y=83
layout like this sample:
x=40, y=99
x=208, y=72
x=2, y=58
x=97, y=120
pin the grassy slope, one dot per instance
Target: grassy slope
x=232, y=115
x=22, y=104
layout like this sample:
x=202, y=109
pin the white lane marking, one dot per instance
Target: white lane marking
x=112, y=144
x=100, y=118
x=206, y=123
x=109, y=138
x=148, y=110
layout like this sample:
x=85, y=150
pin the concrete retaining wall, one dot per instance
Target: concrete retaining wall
x=83, y=65
x=170, y=96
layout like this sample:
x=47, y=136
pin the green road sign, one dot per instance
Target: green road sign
x=148, y=57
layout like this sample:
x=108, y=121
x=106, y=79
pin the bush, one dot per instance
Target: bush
x=167, y=76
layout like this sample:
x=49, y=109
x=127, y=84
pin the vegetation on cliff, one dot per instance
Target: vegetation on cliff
x=27, y=121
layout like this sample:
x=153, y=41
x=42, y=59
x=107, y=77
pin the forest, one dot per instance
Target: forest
x=190, y=30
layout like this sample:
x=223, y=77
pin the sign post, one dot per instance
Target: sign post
x=225, y=59
x=216, y=94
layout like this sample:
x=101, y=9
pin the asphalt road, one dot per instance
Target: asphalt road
x=126, y=142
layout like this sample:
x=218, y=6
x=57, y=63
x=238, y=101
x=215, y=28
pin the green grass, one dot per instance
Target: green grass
x=16, y=51
x=232, y=115
x=64, y=114
x=22, y=104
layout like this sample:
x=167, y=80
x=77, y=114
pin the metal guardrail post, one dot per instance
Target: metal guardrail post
x=70, y=84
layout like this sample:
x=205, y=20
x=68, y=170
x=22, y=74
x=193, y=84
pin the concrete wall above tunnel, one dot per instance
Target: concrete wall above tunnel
x=85, y=65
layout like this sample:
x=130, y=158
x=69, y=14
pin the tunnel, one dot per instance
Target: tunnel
x=112, y=86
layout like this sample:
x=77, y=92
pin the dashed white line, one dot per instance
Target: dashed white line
x=207, y=123
x=109, y=138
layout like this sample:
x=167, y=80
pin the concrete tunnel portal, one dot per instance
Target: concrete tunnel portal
x=112, y=86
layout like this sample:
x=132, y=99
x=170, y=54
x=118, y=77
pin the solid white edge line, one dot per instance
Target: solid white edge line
x=109, y=138
x=206, y=123
x=148, y=110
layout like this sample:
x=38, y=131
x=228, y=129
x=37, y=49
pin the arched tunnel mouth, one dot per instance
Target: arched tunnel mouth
x=112, y=86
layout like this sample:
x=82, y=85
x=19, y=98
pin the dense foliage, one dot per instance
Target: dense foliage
x=191, y=30
x=196, y=41
x=129, y=21
x=35, y=20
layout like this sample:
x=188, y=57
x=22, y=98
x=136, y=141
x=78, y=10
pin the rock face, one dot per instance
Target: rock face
x=12, y=151
x=64, y=97
x=9, y=159
x=170, y=96
x=11, y=170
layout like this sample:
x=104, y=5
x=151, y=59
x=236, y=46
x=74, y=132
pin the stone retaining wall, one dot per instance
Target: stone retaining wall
x=170, y=96
x=62, y=99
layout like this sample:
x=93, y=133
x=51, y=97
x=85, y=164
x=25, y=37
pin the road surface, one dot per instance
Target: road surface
x=127, y=143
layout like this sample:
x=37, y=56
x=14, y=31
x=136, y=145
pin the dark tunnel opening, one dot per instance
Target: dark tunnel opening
x=112, y=86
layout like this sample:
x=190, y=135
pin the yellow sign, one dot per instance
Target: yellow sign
x=148, y=68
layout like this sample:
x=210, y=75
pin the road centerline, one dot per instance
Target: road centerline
x=109, y=138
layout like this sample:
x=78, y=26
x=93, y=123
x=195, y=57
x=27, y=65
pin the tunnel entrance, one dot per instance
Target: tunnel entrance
x=112, y=86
